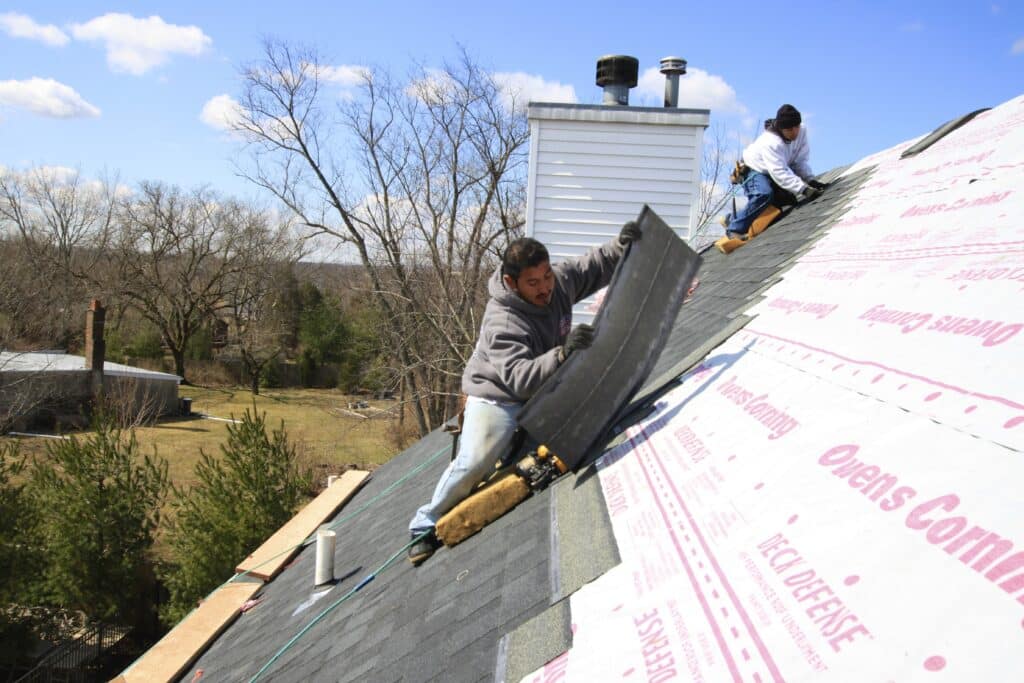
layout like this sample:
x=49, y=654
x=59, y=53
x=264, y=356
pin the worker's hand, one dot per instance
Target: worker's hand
x=630, y=233
x=581, y=337
x=811, y=193
x=817, y=185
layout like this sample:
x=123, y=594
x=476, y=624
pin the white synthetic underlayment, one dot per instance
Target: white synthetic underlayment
x=835, y=493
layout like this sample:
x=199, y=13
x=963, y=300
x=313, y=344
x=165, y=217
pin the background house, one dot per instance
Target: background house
x=55, y=389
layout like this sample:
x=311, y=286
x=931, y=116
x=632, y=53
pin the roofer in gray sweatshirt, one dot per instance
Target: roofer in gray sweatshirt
x=524, y=336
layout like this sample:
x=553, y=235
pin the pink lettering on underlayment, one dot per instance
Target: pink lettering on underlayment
x=899, y=237
x=962, y=203
x=614, y=494
x=991, y=332
x=840, y=275
x=973, y=159
x=978, y=547
x=997, y=273
x=691, y=443
x=656, y=649
x=776, y=420
x=835, y=621
x=817, y=309
x=856, y=220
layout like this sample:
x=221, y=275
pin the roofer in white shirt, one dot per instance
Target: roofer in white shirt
x=777, y=165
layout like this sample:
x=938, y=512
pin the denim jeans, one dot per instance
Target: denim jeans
x=486, y=435
x=758, y=188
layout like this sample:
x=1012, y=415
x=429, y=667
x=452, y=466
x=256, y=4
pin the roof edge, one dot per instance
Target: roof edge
x=666, y=116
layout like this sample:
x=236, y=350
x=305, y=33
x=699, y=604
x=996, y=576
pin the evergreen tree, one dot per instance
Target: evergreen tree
x=323, y=330
x=241, y=499
x=19, y=559
x=98, y=503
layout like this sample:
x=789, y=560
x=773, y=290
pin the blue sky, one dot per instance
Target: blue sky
x=122, y=87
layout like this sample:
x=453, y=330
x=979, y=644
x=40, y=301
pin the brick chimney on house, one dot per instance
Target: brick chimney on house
x=95, y=347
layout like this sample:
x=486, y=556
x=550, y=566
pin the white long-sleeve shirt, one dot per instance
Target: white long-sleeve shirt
x=786, y=162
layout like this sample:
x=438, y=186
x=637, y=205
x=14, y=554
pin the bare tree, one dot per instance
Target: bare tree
x=265, y=255
x=176, y=256
x=716, y=192
x=61, y=223
x=130, y=403
x=52, y=228
x=421, y=180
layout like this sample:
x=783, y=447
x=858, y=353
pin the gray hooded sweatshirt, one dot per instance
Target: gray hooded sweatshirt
x=519, y=342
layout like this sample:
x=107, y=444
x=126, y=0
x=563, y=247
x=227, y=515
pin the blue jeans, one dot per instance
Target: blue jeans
x=758, y=188
x=486, y=435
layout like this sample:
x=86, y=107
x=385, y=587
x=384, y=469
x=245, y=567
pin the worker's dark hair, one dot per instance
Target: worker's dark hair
x=521, y=254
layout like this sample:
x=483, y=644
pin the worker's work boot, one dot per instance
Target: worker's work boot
x=422, y=549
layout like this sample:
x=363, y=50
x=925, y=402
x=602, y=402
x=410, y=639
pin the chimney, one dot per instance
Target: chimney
x=617, y=74
x=673, y=68
x=95, y=348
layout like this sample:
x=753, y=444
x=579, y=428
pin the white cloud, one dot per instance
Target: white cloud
x=66, y=176
x=515, y=89
x=1018, y=47
x=518, y=89
x=23, y=26
x=46, y=97
x=222, y=112
x=345, y=75
x=60, y=175
x=697, y=90
x=225, y=113
x=137, y=45
x=435, y=85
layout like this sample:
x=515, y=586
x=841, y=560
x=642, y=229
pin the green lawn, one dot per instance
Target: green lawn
x=328, y=437
x=326, y=434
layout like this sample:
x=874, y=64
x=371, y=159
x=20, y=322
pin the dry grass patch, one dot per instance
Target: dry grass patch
x=328, y=436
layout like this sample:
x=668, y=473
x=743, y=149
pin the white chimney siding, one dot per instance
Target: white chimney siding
x=593, y=167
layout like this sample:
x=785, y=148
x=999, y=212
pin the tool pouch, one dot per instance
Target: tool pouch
x=739, y=173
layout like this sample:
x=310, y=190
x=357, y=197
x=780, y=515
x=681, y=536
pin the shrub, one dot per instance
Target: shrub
x=98, y=503
x=146, y=343
x=307, y=368
x=241, y=499
x=19, y=561
x=200, y=345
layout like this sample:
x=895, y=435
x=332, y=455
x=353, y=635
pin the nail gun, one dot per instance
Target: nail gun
x=540, y=467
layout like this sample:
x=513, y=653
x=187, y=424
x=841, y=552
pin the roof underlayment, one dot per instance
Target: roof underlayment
x=827, y=494
x=823, y=497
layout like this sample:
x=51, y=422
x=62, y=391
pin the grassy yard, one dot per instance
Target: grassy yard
x=326, y=434
x=328, y=437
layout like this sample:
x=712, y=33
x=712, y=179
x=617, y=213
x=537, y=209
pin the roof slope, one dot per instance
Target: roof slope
x=881, y=373
x=446, y=619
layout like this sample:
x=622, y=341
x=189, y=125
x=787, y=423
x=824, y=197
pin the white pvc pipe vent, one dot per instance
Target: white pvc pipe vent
x=325, y=540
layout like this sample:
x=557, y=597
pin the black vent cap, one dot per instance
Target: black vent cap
x=617, y=70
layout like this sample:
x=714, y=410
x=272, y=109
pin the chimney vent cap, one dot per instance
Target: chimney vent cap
x=617, y=70
x=673, y=65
